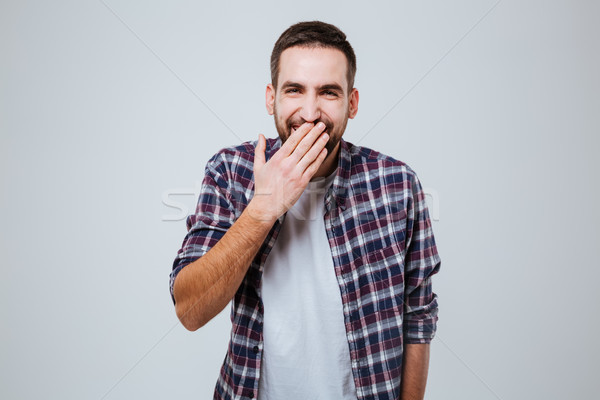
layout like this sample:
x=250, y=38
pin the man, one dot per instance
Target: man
x=325, y=247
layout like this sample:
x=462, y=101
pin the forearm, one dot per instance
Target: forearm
x=204, y=287
x=414, y=371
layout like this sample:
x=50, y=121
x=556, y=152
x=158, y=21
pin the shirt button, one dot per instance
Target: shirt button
x=255, y=349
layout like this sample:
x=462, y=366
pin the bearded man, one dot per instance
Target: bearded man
x=325, y=248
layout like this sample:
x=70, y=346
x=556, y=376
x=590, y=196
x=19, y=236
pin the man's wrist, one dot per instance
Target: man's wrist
x=260, y=212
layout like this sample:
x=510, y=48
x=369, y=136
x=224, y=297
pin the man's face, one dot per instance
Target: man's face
x=312, y=87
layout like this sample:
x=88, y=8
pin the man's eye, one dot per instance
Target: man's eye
x=292, y=90
x=330, y=93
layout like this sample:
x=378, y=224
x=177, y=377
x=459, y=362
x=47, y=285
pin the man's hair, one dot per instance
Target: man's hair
x=313, y=34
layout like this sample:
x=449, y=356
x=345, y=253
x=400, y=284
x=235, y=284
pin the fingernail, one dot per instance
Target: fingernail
x=321, y=125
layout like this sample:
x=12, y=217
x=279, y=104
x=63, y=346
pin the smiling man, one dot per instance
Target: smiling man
x=325, y=248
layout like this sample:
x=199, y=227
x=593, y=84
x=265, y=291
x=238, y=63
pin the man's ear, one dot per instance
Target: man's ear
x=353, y=103
x=270, y=99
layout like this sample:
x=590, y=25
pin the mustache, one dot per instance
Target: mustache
x=292, y=123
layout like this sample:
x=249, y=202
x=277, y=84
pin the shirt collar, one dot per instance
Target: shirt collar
x=341, y=183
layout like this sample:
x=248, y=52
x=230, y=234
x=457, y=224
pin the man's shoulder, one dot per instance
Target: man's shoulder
x=234, y=157
x=373, y=159
x=245, y=149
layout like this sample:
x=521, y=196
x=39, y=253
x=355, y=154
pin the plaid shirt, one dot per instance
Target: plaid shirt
x=383, y=251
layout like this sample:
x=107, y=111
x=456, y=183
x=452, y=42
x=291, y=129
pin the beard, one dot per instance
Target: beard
x=335, y=132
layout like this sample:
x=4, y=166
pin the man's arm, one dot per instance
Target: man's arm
x=204, y=287
x=420, y=317
x=415, y=366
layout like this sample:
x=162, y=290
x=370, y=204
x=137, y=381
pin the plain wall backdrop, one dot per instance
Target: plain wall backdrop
x=109, y=107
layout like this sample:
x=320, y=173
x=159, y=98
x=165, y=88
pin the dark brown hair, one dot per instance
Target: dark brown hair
x=313, y=34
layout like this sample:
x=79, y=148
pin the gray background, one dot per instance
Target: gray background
x=107, y=108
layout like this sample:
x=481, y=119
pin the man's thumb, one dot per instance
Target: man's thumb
x=259, y=151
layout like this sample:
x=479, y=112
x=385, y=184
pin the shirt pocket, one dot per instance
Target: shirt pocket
x=380, y=280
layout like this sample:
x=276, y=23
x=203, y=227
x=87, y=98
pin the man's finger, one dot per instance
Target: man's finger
x=308, y=141
x=295, y=138
x=314, y=166
x=313, y=152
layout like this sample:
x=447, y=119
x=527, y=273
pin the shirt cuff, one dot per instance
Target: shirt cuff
x=420, y=324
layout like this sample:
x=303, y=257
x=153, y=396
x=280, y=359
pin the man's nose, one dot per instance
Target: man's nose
x=311, y=110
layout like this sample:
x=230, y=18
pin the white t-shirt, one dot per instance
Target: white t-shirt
x=305, y=354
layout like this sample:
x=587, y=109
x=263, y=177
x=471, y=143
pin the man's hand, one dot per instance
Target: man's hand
x=279, y=182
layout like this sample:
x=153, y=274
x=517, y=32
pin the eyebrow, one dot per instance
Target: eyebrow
x=327, y=86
